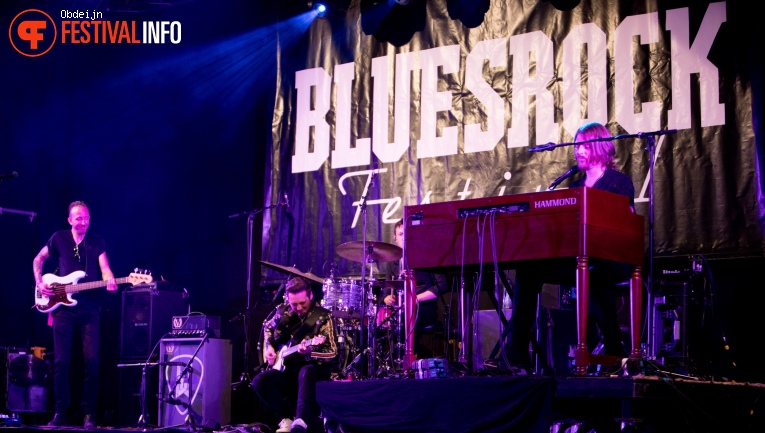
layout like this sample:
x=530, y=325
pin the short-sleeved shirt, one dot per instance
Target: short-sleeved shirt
x=61, y=246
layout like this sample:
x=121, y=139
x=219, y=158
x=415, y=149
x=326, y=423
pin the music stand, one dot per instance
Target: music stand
x=144, y=422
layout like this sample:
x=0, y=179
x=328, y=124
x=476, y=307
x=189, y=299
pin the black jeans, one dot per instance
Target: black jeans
x=291, y=393
x=82, y=318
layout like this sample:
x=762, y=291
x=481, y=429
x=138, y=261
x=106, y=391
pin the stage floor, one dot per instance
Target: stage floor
x=515, y=403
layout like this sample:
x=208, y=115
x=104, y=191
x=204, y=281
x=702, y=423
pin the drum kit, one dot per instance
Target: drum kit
x=369, y=333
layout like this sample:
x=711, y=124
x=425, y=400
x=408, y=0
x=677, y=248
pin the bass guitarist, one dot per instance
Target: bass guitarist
x=76, y=250
x=290, y=391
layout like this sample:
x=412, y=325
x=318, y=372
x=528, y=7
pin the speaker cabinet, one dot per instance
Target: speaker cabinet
x=26, y=382
x=486, y=333
x=147, y=315
x=195, y=381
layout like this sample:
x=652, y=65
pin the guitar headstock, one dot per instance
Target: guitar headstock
x=140, y=276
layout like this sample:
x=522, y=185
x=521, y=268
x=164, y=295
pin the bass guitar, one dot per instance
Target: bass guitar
x=64, y=287
x=288, y=350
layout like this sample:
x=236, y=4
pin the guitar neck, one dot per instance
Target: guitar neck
x=74, y=288
x=292, y=349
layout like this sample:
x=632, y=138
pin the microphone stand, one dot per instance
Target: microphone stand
x=365, y=294
x=650, y=137
x=31, y=215
x=244, y=378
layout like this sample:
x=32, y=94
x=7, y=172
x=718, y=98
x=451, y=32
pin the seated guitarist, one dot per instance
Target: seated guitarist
x=307, y=329
x=76, y=250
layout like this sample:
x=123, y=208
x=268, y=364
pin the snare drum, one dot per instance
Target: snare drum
x=343, y=297
x=386, y=311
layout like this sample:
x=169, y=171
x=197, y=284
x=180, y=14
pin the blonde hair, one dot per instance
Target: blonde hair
x=601, y=152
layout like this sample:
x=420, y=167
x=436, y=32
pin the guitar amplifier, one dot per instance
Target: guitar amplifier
x=194, y=381
x=195, y=326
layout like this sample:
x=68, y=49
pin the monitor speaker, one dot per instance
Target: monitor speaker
x=486, y=334
x=147, y=315
x=194, y=382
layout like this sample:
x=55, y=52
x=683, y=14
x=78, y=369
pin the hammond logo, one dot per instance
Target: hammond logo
x=32, y=33
x=571, y=201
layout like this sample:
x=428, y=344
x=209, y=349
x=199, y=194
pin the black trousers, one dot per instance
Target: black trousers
x=84, y=319
x=291, y=393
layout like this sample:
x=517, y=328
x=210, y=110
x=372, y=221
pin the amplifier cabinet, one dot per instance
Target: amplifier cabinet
x=147, y=315
x=194, y=382
x=26, y=381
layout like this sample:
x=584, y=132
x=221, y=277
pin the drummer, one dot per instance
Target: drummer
x=430, y=287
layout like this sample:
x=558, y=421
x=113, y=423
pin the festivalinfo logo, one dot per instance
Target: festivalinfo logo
x=34, y=32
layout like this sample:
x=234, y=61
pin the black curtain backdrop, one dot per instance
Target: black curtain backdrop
x=441, y=106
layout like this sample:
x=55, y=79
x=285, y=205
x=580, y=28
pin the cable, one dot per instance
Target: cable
x=497, y=283
x=463, y=345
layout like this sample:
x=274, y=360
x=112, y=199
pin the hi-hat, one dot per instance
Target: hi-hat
x=293, y=271
x=375, y=251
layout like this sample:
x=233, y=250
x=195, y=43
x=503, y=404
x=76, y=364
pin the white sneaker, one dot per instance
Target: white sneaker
x=299, y=425
x=284, y=426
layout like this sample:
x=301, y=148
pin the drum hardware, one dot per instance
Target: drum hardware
x=390, y=284
x=344, y=298
x=375, y=251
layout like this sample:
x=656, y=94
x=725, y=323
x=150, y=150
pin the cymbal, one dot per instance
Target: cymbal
x=377, y=251
x=293, y=271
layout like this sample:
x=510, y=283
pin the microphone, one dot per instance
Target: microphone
x=10, y=175
x=571, y=171
x=542, y=147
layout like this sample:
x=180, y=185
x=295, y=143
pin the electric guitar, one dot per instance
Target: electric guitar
x=64, y=287
x=288, y=350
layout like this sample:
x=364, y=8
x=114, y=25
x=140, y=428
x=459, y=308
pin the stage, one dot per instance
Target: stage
x=642, y=403
x=535, y=404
